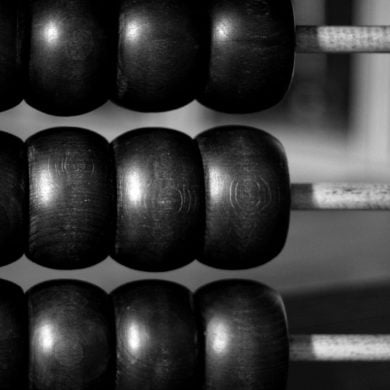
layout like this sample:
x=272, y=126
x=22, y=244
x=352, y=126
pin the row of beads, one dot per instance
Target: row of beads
x=156, y=335
x=154, y=199
x=69, y=57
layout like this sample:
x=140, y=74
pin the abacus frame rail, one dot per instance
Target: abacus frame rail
x=343, y=39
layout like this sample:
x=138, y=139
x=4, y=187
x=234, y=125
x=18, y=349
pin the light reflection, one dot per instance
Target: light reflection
x=51, y=33
x=46, y=337
x=219, y=336
x=133, y=30
x=217, y=184
x=223, y=29
x=134, y=187
x=46, y=187
x=136, y=338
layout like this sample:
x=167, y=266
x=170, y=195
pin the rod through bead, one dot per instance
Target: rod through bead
x=340, y=348
x=340, y=196
x=343, y=39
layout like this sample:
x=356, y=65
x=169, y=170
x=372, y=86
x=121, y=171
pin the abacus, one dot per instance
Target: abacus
x=154, y=199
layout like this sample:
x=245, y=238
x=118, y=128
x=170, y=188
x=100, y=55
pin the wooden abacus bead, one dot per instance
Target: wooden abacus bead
x=160, y=210
x=251, y=54
x=11, y=32
x=247, y=197
x=159, y=62
x=156, y=337
x=13, y=337
x=13, y=198
x=71, y=198
x=245, y=336
x=68, y=67
x=71, y=336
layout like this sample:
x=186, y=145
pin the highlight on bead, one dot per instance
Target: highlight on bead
x=159, y=58
x=158, y=55
x=156, y=337
x=71, y=338
x=155, y=199
x=251, y=52
x=67, y=55
x=229, y=334
x=247, y=197
x=70, y=198
x=160, y=208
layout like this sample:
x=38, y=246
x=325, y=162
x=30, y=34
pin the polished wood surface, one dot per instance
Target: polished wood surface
x=69, y=57
x=160, y=199
x=230, y=334
x=71, y=336
x=223, y=198
x=13, y=198
x=13, y=337
x=247, y=197
x=11, y=53
x=245, y=336
x=160, y=63
x=252, y=45
x=156, y=337
x=71, y=198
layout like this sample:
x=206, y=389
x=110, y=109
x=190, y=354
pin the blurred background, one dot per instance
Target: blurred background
x=335, y=126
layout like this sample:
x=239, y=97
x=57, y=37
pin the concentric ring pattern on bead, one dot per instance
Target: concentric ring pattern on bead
x=71, y=198
x=247, y=197
x=160, y=199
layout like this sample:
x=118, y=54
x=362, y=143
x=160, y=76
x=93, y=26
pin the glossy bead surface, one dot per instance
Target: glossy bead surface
x=156, y=337
x=252, y=45
x=247, y=197
x=245, y=336
x=71, y=198
x=69, y=55
x=159, y=199
x=159, y=61
x=13, y=198
x=13, y=337
x=71, y=336
x=11, y=32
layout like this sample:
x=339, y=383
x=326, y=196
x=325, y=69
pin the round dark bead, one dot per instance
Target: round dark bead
x=247, y=197
x=13, y=198
x=159, y=60
x=68, y=69
x=245, y=336
x=71, y=198
x=11, y=32
x=252, y=46
x=156, y=337
x=13, y=337
x=71, y=336
x=160, y=194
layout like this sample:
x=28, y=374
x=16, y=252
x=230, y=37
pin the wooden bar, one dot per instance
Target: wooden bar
x=340, y=348
x=343, y=39
x=342, y=196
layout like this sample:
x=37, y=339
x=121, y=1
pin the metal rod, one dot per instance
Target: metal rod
x=340, y=348
x=343, y=39
x=343, y=196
